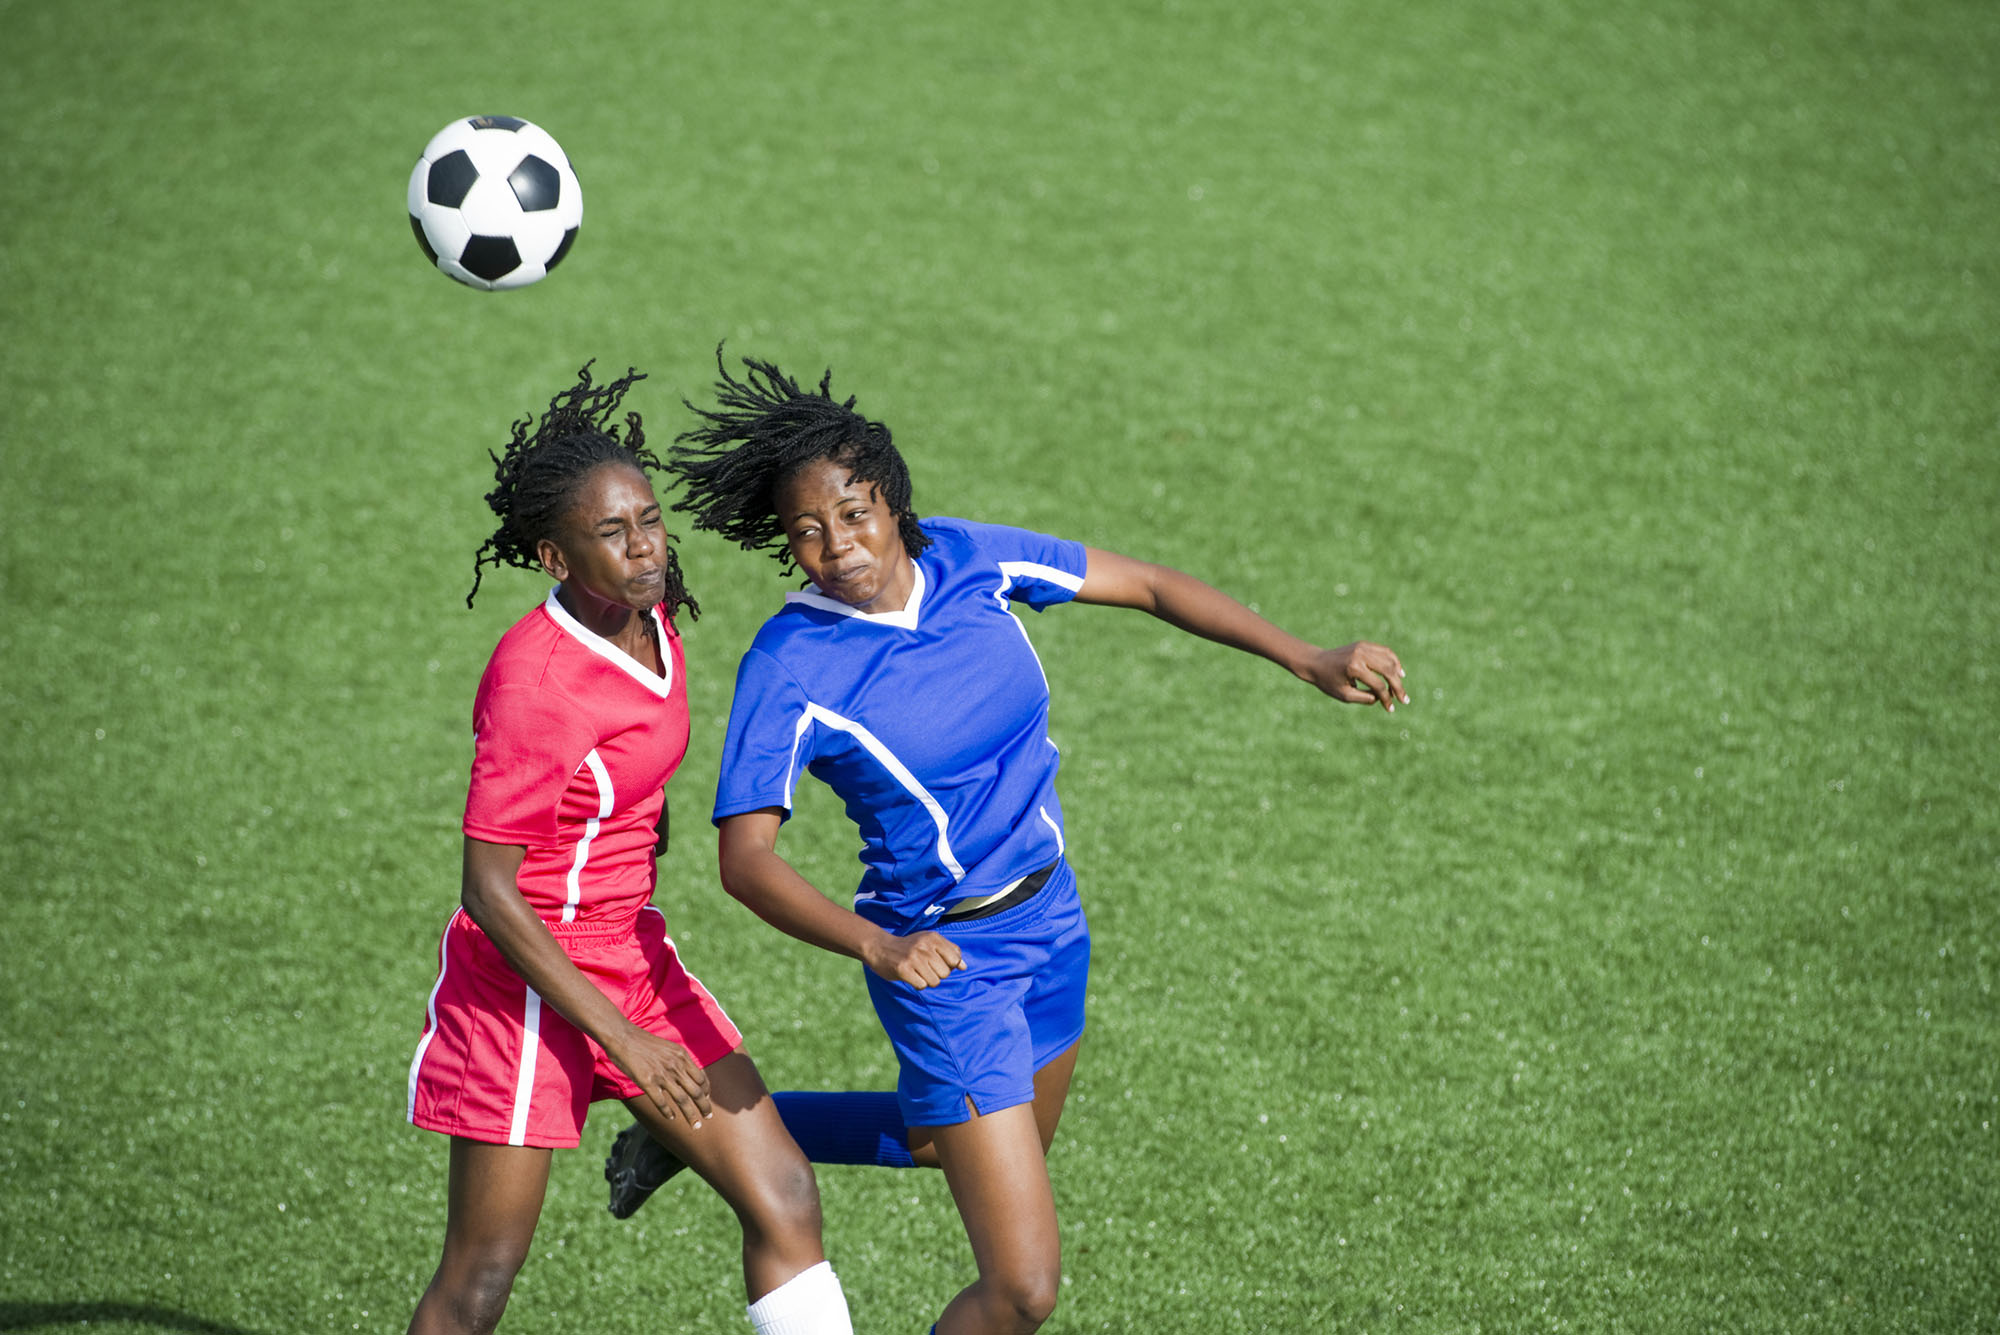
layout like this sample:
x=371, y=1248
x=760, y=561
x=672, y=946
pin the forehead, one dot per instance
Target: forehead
x=611, y=488
x=823, y=482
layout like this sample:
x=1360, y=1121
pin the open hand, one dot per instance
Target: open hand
x=1361, y=674
x=668, y=1073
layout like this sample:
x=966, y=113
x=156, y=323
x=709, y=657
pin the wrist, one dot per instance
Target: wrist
x=873, y=945
x=1303, y=661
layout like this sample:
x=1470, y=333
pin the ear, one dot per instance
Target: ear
x=551, y=557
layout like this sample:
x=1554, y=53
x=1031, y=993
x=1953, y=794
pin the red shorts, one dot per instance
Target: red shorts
x=497, y=1065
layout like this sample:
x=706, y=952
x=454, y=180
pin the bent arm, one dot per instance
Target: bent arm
x=754, y=874
x=492, y=899
x=1359, y=673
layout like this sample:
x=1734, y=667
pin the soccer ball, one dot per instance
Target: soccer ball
x=494, y=202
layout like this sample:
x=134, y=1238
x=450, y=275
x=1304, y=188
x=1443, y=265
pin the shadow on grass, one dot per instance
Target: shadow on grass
x=35, y=1316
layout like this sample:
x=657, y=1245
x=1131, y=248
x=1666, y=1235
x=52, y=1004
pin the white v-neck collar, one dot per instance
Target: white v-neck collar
x=661, y=685
x=903, y=619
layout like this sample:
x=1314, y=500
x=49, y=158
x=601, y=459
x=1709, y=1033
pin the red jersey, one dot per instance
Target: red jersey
x=573, y=744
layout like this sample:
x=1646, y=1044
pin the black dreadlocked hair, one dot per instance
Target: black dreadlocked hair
x=538, y=474
x=763, y=431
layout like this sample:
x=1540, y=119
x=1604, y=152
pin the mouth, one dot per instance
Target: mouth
x=844, y=575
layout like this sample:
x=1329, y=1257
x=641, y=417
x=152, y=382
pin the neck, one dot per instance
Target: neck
x=895, y=595
x=612, y=621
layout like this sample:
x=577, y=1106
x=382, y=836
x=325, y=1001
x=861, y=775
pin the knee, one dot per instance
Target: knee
x=1030, y=1294
x=797, y=1192
x=787, y=1199
x=474, y=1289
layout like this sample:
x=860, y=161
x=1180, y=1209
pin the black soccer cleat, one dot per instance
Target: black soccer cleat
x=637, y=1167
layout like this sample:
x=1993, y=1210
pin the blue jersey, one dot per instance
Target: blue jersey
x=932, y=723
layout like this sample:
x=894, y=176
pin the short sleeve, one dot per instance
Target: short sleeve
x=527, y=745
x=761, y=751
x=1040, y=570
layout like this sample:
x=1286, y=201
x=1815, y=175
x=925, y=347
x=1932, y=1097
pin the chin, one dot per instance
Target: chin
x=854, y=597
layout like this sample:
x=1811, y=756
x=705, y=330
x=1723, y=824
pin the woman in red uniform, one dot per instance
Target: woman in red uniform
x=557, y=983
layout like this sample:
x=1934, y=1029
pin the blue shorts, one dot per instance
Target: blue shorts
x=983, y=1032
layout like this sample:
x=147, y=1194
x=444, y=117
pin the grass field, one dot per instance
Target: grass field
x=1634, y=370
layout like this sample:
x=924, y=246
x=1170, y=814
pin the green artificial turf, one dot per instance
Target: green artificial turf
x=1631, y=369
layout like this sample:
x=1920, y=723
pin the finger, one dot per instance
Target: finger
x=1385, y=661
x=684, y=1105
x=674, y=1101
x=941, y=962
x=696, y=1084
x=1394, y=675
x=1373, y=688
x=1348, y=693
x=1368, y=681
x=1382, y=675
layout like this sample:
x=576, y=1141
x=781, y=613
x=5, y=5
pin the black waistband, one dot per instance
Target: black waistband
x=1026, y=890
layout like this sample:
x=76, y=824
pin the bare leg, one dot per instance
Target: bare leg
x=495, y=1201
x=744, y=1152
x=1051, y=1093
x=1000, y=1180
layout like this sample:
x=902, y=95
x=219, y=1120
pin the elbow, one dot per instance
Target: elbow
x=735, y=876
x=477, y=903
x=484, y=900
x=487, y=889
x=745, y=856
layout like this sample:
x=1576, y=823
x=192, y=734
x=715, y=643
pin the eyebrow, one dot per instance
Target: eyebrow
x=844, y=498
x=652, y=509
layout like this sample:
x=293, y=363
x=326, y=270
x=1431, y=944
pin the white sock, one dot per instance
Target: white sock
x=809, y=1303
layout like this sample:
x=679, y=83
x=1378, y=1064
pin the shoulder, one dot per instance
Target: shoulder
x=525, y=654
x=1033, y=567
x=998, y=542
x=767, y=692
x=944, y=528
x=965, y=538
x=783, y=653
x=537, y=676
x=783, y=629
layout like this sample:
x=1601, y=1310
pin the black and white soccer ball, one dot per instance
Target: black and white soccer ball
x=494, y=202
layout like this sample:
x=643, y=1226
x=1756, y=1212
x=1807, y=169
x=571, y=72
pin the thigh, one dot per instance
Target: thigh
x=1052, y=1092
x=495, y=1199
x=743, y=1149
x=999, y=1180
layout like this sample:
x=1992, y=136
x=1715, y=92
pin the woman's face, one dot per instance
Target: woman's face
x=611, y=547
x=845, y=537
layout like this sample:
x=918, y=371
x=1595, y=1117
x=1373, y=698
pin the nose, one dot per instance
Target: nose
x=837, y=539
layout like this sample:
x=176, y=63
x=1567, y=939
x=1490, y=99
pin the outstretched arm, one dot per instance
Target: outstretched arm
x=1360, y=673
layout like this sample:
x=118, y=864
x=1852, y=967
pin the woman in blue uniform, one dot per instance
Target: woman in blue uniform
x=902, y=679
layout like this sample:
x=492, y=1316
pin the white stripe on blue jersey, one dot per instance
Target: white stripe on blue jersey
x=931, y=723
